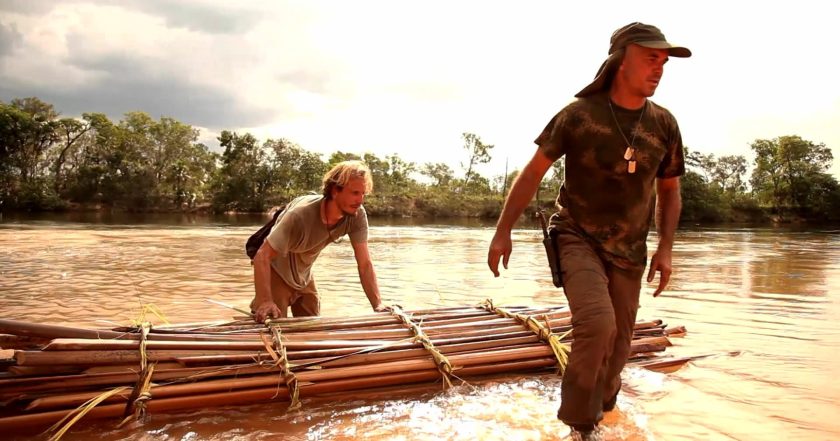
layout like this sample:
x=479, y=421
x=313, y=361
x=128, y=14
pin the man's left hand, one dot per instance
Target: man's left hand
x=381, y=308
x=661, y=261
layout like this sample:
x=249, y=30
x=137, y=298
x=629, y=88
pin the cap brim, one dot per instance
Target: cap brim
x=603, y=77
x=674, y=51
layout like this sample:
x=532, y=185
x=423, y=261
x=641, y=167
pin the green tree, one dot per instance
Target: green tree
x=295, y=169
x=379, y=170
x=70, y=131
x=552, y=182
x=172, y=145
x=340, y=156
x=703, y=164
x=823, y=199
x=91, y=174
x=479, y=153
x=700, y=202
x=502, y=183
x=728, y=172
x=28, y=130
x=244, y=175
x=310, y=171
x=439, y=172
x=399, y=173
x=14, y=126
x=190, y=175
x=139, y=164
x=785, y=168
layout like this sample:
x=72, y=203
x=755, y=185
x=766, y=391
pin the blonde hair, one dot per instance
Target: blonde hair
x=342, y=173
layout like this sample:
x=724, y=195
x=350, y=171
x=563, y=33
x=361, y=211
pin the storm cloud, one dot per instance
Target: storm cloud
x=173, y=97
x=81, y=67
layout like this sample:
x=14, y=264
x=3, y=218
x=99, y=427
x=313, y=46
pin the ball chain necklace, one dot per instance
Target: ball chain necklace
x=630, y=151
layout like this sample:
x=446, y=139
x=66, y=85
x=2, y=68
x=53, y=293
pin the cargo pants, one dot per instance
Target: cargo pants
x=603, y=299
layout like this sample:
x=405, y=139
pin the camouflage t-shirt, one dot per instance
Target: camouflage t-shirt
x=604, y=201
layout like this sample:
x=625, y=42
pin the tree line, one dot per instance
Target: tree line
x=49, y=162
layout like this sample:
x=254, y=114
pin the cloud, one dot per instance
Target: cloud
x=10, y=38
x=196, y=15
x=214, y=18
x=336, y=75
x=309, y=80
x=127, y=84
x=114, y=60
x=27, y=7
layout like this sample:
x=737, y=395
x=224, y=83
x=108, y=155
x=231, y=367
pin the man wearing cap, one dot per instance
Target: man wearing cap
x=624, y=157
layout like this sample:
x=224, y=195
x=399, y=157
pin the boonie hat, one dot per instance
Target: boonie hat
x=634, y=33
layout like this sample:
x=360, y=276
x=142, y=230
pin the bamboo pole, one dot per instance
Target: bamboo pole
x=72, y=344
x=26, y=329
x=159, y=392
x=110, y=353
x=20, y=328
x=662, y=341
x=130, y=367
x=8, y=341
x=400, y=331
x=378, y=369
x=385, y=355
x=30, y=371
x=167, y=391
x=41, y=420
x=98, y=358
x=292, y=324
x=20, y=388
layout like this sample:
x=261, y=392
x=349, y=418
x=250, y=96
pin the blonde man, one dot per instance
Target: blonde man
x=283, y=265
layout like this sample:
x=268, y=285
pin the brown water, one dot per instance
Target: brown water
x=772, y=294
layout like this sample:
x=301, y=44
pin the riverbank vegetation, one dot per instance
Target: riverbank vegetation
x=49, y=162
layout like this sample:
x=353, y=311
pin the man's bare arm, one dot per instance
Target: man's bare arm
x=668, y=207
x=264, y=304
x=521, y=193
x=367, y=275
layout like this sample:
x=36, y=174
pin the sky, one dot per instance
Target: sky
x=407, y=78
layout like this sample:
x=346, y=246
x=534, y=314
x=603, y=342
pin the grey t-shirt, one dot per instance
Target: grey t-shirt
x=299, y=235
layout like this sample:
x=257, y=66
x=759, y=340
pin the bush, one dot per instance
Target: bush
x=38, y=195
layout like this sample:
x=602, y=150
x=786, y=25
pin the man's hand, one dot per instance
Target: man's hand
x=500, y=246
x=266, y=310
x=381, y=308
x=521, y=192
x=661, y=261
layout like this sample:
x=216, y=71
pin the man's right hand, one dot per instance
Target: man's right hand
x=521, y=192
x=500, y=247
x=266, y=310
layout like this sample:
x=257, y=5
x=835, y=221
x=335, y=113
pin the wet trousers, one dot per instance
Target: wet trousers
x=303, y=303
x=603, y=299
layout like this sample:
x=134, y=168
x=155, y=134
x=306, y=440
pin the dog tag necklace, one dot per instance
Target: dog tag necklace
x=630, y=151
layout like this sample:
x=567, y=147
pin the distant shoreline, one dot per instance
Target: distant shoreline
x=74, y=209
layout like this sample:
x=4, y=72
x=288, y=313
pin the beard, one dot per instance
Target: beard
x=349, y=210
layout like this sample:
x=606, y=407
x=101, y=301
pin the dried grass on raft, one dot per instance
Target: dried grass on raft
x=134, y=370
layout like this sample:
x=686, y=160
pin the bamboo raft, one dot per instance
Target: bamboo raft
x=59, y=373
